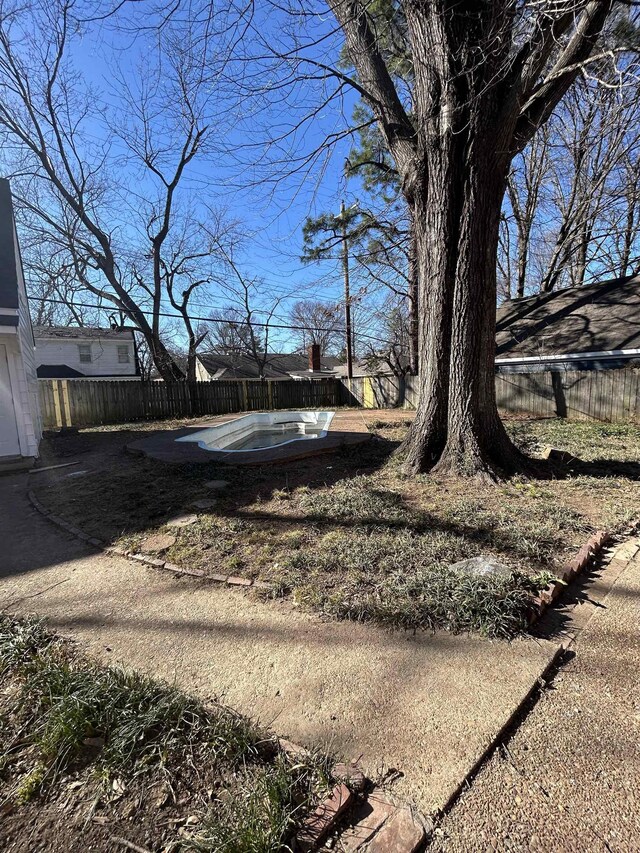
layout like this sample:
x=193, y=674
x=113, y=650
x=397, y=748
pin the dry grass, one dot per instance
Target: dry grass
x=352, y=536
x=114, y=740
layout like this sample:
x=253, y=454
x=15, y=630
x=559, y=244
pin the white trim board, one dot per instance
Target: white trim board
x=570, y=356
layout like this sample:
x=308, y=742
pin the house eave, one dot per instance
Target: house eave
x=570, y=356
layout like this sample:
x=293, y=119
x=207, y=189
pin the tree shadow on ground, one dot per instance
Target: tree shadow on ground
x=141, y=494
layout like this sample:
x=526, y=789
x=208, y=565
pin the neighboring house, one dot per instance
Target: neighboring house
x=214, y=366
x=20, y=423
x=593, y=327
x=375, y=366
x=73, y=352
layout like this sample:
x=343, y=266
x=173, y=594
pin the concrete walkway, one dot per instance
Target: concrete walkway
x=568, y=779
x=426, y=705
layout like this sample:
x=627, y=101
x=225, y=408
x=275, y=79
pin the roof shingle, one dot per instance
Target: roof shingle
x=594, y=318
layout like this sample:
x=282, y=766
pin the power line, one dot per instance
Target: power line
x=239, y=323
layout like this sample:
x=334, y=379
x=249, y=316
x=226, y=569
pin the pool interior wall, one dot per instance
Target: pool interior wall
x=262, y=430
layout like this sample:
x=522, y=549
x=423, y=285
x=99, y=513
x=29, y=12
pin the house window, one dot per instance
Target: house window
x=85, y=353
x=123, y=354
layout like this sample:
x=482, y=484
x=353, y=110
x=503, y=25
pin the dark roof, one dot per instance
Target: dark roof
x=8, y=261
x=278, y=365
x=594, y=318
x=57, y=371
x=79, y=332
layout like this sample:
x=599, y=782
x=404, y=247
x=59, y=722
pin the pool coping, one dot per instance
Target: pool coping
x=347, y=429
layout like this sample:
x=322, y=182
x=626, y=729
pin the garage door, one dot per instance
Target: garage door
x=9, y=443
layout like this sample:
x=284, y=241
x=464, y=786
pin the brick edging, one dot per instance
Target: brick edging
x=585, y=554
x=147, y=560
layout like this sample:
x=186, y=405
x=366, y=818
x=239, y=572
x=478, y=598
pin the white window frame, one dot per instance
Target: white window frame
x=85, y=356
x=123, y=350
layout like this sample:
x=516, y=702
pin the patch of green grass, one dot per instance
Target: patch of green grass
x=588, y=440
x=360, y=499
x=258, y=814
x=66, y=715
x=69, y=699
x=401, y=579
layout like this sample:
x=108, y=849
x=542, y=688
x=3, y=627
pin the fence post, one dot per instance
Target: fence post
x=56, y=403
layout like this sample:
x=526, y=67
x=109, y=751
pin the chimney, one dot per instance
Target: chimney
x=314, y=358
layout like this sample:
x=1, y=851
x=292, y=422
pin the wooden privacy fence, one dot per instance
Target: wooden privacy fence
x=603, y=395
x=86, y=402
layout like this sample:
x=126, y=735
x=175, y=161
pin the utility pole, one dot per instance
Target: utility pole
x=347, y=296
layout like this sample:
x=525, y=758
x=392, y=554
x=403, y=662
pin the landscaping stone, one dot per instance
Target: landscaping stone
x=402, y=833
x=351, y=776
x=182, y=521
x=563, y=457
x=483, y=566
x=117, y=551
x=366, y=820
x=234, y=581
x=158, y=542
x=216, y=484
x=293, y=749
x=324, y=818
x=203, y=503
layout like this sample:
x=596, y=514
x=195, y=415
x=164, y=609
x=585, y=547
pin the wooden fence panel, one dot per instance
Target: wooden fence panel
x=86, y=402
x=604, y=395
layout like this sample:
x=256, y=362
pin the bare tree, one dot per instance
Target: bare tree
x=573, y=193
x=524, y=188
x=317, y=322
x=228, y=333
x=68, y=184
x=392, y=346
x=244, y=326
x=621, y=252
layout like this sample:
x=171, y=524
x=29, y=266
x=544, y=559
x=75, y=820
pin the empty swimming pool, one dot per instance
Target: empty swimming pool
x=259, y=431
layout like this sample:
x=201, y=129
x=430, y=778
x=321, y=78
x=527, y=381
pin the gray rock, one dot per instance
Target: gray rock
x=482, y=567
x=182, y=521
x=203, y=503
x=216, y=484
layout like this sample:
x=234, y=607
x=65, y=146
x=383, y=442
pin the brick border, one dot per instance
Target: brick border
x=152, y=562
x=575, y=567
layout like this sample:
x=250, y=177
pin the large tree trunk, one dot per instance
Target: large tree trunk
x=457, y=427
x=457, y=202
x=414, y=307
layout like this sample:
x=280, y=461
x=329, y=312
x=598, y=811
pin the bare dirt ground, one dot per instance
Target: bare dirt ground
x=567, y=780
x=424, y=704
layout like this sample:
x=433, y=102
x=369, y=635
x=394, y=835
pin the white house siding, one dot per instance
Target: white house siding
x=29, y=428
x=104, y=354
x=202, y=374
x=26, y=367
x=10, y=441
